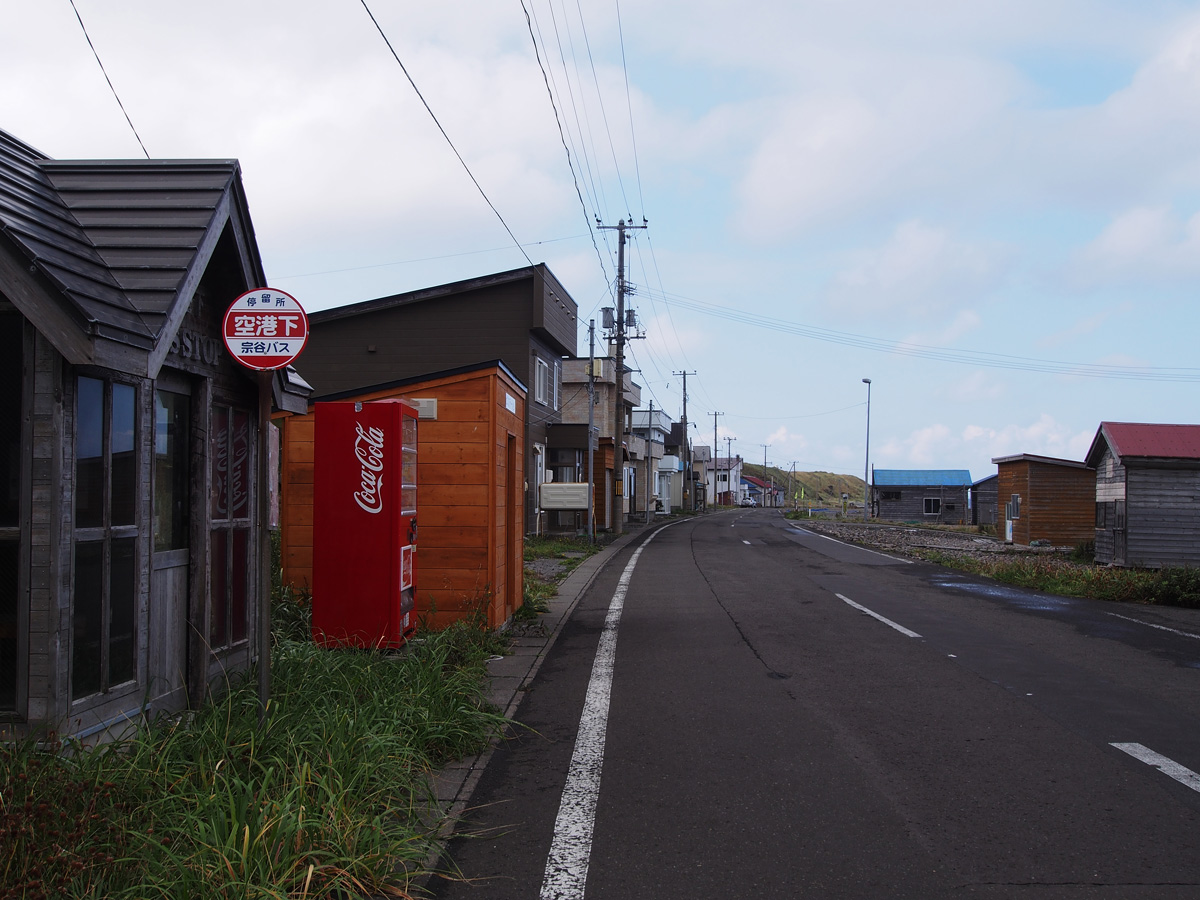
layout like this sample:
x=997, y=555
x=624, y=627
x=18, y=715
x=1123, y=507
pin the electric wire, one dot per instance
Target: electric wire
x=109, y=80
x=983, y=358
x=562, y=137
x=629, y=105
x=429, y=110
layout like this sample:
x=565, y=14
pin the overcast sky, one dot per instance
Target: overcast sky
x=990, y=208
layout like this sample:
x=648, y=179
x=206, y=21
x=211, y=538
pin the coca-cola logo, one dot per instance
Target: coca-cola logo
x=368, y=450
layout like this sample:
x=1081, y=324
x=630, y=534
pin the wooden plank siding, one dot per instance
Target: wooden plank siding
x=910, y=507
x=1057, y=499
x=467, y=560
x=1162, y=516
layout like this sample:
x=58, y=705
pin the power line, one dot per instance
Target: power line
x=429, y=110
x=109, y=80
x=983, y=358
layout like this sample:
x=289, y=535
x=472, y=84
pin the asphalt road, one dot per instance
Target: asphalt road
x=789, y=716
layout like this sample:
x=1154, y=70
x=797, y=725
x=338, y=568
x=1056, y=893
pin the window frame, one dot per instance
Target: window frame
x=106, y=534
x=231, y=638
x=933, y=506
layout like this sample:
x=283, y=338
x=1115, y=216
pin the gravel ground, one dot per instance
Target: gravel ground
x=904, y=539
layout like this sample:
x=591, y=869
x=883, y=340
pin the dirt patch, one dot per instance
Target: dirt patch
x=909, y=541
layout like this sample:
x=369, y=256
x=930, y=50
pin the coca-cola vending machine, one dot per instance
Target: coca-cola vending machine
x=364, y=523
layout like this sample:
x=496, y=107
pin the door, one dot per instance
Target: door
x=171, y=562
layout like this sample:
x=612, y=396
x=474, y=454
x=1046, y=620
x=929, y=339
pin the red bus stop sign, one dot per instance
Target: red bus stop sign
x=265, y=329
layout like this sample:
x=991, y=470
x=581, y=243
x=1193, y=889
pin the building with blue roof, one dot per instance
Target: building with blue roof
x=933, y=496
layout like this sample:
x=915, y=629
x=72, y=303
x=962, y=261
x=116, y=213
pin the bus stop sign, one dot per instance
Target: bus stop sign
x=265, y=329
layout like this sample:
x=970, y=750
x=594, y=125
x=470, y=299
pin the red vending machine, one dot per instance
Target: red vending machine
x=364, y=523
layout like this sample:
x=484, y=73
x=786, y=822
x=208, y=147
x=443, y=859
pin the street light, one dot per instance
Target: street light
x=867, y=463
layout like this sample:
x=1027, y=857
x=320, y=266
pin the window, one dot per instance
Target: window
x=103, y=624
x=889, y=495
x=172, y=482
x=231, y=564
x=542, y=387
x=1102, y=515
x=11, y=365
x=556, y=387
x=1014, y=507
x=933, y=506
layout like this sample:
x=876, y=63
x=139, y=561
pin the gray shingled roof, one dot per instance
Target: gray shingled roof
x=116, y=238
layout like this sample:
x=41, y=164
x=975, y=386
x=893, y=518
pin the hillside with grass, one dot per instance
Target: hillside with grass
x=820, y=488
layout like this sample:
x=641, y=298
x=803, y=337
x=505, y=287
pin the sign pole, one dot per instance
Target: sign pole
x=264, y=330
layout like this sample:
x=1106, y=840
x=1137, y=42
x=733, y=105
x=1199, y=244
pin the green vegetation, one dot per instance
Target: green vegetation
x=540, y=585
x=820, y=488
x=328, y=797
x=1163, y=587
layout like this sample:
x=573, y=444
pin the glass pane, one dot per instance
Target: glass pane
x=122, y=635
x=409, y=432
x=89, y=454
x=8, y=625
x=237, y=586
x=124, y=469
x=171, y=471
x=219, y=590
x=219, y=454
x=87, y=624
x=11, y=348
x=408, y=500
x=239, y=466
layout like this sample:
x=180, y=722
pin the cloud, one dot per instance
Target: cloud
x=920, y=271
x=1045, y=436
x=1145, y=244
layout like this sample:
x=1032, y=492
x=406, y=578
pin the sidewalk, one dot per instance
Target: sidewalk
x=513, y=673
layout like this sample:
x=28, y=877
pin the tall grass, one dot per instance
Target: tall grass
x=327, y=797
x=1164, y=587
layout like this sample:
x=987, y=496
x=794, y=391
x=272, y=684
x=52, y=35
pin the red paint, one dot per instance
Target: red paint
x=364, y=523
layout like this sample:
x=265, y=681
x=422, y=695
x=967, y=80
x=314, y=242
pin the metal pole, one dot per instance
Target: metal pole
x=867, y=463
x=265, y=379
x=591, y=530
x=649, y=441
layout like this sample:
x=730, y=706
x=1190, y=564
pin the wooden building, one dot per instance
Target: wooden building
x=524, y=317
x=1046, y=499
x=470, y=484
x=935, y=496
x=1147, y=482
x=130, y=508
x=984, y=503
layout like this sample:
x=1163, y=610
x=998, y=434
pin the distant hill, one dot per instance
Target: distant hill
x=820, y=488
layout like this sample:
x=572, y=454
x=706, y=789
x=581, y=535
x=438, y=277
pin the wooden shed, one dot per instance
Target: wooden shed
x=937, y=496
x=1147, y=482
x=983, y=501
x=470, y=487
x=131, y=511
x=1046, y=499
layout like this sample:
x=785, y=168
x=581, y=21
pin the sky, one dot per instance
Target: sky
x=990, y=209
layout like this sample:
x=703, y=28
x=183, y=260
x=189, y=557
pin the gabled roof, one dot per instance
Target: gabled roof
x=111, y=250
x=1045, y=460
x=1145, y=441
x=756, y=481
x=921, y=477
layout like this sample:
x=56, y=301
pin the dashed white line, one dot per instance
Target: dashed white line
x=571, y=847
x=889, y=622
x=745, y=542
x=1182, y=774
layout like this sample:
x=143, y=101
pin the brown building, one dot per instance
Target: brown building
x=470, y=484
x=524, y=318
x=1046, y=499
x=132, y=515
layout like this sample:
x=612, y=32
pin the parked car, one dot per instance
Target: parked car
x=747, y=501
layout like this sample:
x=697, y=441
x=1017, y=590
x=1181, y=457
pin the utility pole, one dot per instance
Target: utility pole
x=649, y=455
x=687, y=451
x=619, y=376
x=764, y=446
x=729, y=467
x=591, y=508
x=716, y=453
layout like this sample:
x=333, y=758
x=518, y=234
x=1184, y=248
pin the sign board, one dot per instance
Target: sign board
x=265, y=329
x=564, y=495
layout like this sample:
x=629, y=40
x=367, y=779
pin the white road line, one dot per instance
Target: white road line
x=571, y=848
x=1160, y=627
x=907, y=562
x=1182, y=774
x=899, y=628
x=745, y=542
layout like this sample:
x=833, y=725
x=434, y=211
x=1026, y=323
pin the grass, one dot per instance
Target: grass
x=568, y=552
x=1163, y=587
x=328, y=798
